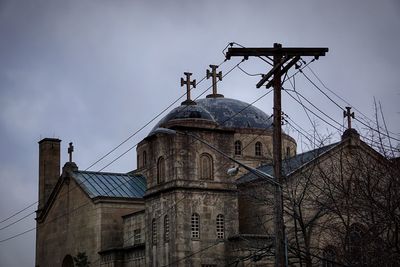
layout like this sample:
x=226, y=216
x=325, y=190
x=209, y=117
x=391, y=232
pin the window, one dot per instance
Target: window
x=160, y=170
x=328, y=257
x=258, y=149
x=287, y=151
x=138, y=161
x=144, y=158
x=355, y=251
x=220, y=226
x=154, y=231
x=206, y=166
x=238, y=148
x=68, y=261
x=136, y=236
x=166, y=228
x=195, y=225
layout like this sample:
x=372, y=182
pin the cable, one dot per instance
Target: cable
x=316, y=86
x=217, y=170
x=287, y=91
x=308, y=116
x=387, y=135
x=15, y=214
x=338, y=96
x=338, y=129
x=249, y=74
x=119, y=145
x=129, y=149
x=106, y=166
x=10, y=224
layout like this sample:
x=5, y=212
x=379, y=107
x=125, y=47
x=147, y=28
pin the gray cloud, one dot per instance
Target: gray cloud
x=94, y=72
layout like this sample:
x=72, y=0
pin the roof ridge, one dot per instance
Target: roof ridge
x=112, y=173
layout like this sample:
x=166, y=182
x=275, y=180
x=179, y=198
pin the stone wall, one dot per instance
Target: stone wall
x=75, y=223
x=179, y=206
x=71, y=226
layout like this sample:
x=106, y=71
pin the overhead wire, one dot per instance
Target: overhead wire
x=109, y=164
x=334, y=102
x=344, y=100
x=305, y=110
x=111, y=151
x=366, y=125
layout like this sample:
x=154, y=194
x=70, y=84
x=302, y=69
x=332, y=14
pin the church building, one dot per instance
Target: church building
x=180, y=207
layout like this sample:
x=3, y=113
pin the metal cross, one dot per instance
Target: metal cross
x=188, y=84
x=70, y=150
x=349, y=115
x=213, y=73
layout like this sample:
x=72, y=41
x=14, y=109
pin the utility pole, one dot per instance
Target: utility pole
x=280, y=57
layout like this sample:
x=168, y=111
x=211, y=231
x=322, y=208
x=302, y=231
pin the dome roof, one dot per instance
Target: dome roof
x=225, y=112
x=232, y=113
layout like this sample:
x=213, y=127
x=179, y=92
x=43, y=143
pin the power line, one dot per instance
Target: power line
x=323, y=84
x=129, y=149
x=10, y=224
x=119, y=145
x=114, y=161
x=15, y=214
x=308, y=116
x=371, y=140
x=287, y=91
x=338, y=96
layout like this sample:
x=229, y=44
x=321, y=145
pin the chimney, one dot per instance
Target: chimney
x=49, y=168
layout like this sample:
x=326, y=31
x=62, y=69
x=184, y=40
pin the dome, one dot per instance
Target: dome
x=225, y=112
x=232, y=113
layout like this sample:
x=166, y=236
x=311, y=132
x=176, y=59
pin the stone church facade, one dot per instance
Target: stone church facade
x=179, y=207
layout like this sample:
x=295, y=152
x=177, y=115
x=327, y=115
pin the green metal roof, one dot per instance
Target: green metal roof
x=289, y=165
x=103, y=184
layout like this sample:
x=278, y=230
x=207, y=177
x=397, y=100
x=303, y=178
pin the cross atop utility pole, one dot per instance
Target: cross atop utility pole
x=213, y=73
x=349, y=115
x=188, y=83
x=70, y=150
x=280, y=57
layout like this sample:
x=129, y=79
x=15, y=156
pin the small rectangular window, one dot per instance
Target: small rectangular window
x=136, y=236
x=195, y=226
x=220, y=226
x=154, y=231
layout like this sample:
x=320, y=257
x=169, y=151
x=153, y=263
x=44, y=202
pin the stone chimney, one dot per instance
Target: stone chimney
x=49, y=168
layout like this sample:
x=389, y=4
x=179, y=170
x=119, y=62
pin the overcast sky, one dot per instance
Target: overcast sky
x=94, y=72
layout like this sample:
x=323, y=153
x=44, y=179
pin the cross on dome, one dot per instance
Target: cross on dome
x=188, y=83
x=214, y=75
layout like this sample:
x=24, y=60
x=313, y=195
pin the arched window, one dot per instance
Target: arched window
x=195, y=225
x=138, y=161
x=206, y=166
x=238, y=147
x=166, y=228
x=220, y=226
x=288, y=151
x=258, y=149
x=355, y=252
x=160, y=170
x=154, y=231
x=68, y=261
x=144, y=158
x=329, y=257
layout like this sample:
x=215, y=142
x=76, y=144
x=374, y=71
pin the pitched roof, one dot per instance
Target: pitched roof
x=289, y=165
x=103, y=184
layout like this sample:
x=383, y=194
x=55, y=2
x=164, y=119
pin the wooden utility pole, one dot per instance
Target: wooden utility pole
x=280, y=57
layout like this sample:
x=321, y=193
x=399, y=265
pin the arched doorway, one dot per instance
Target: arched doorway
x=68, y=261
